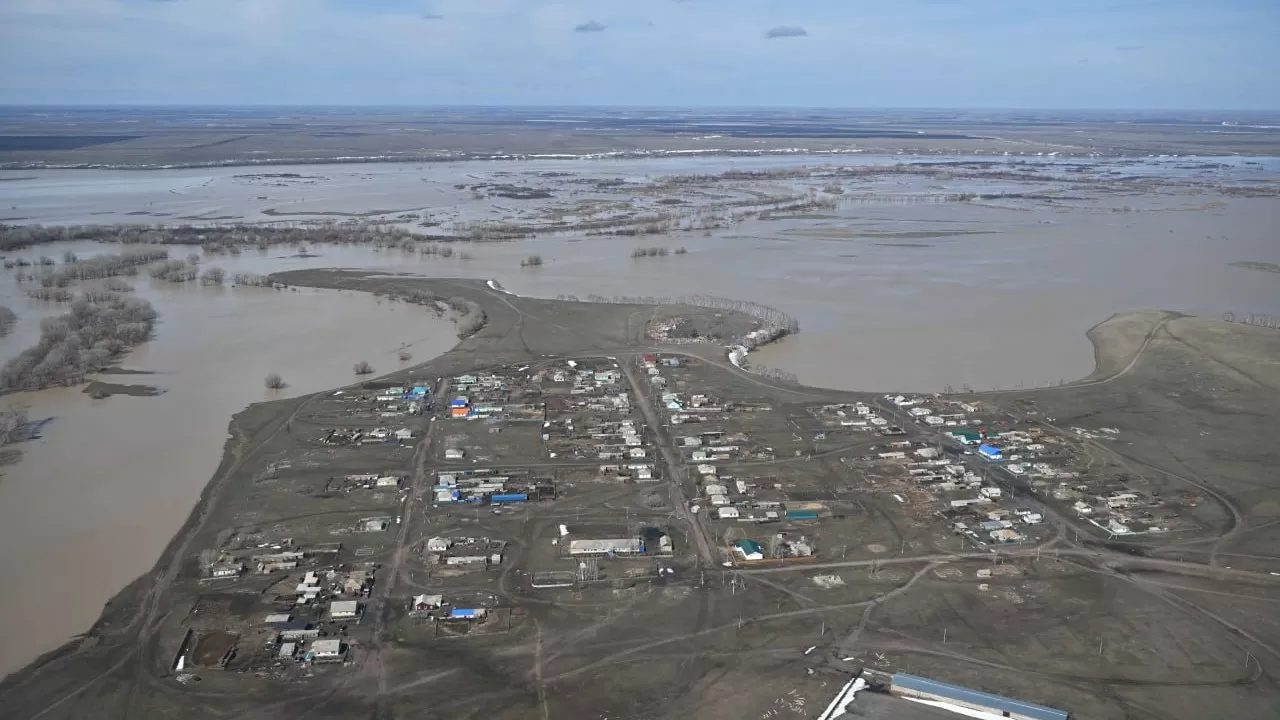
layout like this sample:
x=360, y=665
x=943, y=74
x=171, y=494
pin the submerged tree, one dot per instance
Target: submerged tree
x=363, y=368
x=405, y=356
x=274, y=381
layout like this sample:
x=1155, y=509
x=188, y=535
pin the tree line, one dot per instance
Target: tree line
x=87, y=339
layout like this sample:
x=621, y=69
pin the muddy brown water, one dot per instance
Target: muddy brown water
x=890, y=295
x=93, y=502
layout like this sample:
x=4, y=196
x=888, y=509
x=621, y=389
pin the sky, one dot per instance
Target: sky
x=1069, y=54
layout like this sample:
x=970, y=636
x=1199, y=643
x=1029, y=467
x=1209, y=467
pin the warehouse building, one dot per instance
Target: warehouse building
x=620, y=546
x=912, y=686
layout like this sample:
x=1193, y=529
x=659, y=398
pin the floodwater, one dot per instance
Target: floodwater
x=890, y=294
x=91, y=504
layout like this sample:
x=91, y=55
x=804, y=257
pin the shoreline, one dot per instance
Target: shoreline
x=146, y=592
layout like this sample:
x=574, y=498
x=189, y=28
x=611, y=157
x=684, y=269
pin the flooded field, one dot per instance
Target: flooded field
x=897, y=284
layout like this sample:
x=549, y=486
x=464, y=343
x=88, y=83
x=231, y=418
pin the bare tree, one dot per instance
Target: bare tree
x=214, y=276
x=209, y=558
x=363, y=368
x=532, y=261
x=274, y=381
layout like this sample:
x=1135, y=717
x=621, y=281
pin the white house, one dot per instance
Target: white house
x=728, y=512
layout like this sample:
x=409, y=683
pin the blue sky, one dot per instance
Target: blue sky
x=1166, y=54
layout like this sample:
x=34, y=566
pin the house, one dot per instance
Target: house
x=226, y=570
x=454, y=454
x=387, y=481
x=343, y=609
x=1121, y=500
x=287, y=650
x=990, y=452
x=748, y=550
x=404, y=434
x=728, y=512
x=425, y=603
x=326, y=651
x=277, y=618
x=719, y=500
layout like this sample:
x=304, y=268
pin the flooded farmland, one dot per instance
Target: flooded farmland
x=895, y=283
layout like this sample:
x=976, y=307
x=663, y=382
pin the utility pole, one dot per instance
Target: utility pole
x=944, y=636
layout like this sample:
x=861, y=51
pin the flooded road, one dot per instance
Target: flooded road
x=890, y=293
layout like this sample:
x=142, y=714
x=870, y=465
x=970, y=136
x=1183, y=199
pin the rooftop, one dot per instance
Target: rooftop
x=977, y=697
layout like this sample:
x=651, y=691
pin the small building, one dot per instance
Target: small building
x=802, y=514
x=911, y=686
x=404, y=434
x=617, y=546
x=277, y=618
x=387, y=481
x=327, y=651
x=719, y=500
x=990, y=452
x=728, y=512
x=454, y=454
x=287, y=650
x=748, y=550
x=343, y=609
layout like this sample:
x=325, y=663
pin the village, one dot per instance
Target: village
x=562, y=480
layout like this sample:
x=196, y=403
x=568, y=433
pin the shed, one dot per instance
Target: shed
x=911, y=686
x=276, y=618
x=454, y=454
x=287, y=651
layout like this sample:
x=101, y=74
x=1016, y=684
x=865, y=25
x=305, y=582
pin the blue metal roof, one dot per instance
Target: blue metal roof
x=975, y=697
